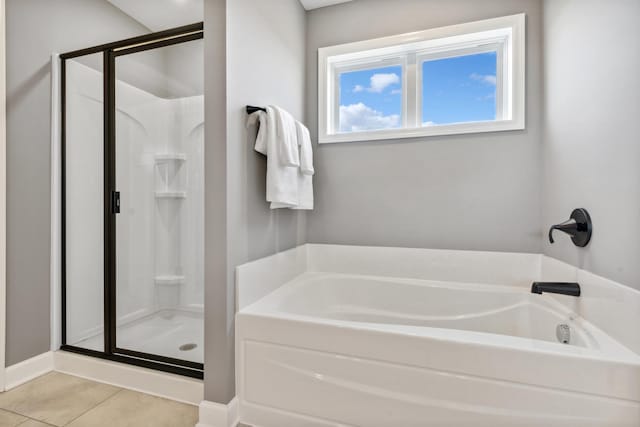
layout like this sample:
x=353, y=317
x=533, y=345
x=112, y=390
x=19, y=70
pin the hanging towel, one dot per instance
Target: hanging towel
x=259, y=118
x=306, y=152
x=305, y=192
x=288, y=138
x=282, y=181
x=305, y=177
x=305, y=171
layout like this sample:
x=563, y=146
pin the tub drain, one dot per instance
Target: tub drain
x=563, y=333
x=187, y=347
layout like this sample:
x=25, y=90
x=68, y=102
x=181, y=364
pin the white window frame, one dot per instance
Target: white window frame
x=504, y=35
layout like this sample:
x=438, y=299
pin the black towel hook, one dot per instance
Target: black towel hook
x=251, y=109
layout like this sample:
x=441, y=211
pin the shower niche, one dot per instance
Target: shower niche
x=133, y=201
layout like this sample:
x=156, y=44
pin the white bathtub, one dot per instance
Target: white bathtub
x=345, y=349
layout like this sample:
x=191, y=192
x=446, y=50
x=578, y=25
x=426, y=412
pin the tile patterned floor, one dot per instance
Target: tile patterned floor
x=61, y=400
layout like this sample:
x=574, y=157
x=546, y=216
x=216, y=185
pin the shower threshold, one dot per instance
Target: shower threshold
x=174, y=333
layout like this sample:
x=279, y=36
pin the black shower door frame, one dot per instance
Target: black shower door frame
x=110, y=52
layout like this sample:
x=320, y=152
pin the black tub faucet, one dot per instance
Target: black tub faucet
x=579, y=227
x=563, y=288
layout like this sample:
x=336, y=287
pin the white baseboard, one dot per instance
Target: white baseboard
x=29, y=369
x=218, y=415
x=149, y=381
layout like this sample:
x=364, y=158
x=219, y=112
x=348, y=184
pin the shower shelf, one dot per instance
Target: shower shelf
x=169, y=280
x=171, y=194
x=167, y=157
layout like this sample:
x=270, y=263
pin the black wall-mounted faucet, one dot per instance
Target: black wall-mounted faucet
x=564, y=288
x=579, y=227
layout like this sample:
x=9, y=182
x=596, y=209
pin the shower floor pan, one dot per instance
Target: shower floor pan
x=172, y=333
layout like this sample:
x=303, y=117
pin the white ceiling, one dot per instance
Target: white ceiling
x=164, y=14
x=314, y=4
x=167, y=14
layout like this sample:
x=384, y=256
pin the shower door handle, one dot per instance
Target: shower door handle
x=115, y=202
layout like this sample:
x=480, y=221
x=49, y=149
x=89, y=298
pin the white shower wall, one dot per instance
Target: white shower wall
x=160, y=174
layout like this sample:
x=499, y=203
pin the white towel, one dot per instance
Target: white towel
x=305, y=177
x=305, y=172
x=305, y=192
x=282, y=181
x=259, y=118
x=306, y=152
x=288, y=138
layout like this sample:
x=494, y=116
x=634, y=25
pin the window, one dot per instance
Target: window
x=460, y=79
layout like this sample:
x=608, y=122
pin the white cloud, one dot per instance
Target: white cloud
x=484, y=78
x=359, y=117
x=380, y=82
x=429, y=123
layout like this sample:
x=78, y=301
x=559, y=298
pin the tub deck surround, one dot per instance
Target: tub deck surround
x=332, y=335
x=613, y=307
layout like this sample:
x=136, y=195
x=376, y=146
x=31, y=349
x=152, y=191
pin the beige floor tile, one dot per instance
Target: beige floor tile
x=9, y=419
x=33, y=423
x=131, y=409
x=56, y=398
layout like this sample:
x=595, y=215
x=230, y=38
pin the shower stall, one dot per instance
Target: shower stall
x=132, y=139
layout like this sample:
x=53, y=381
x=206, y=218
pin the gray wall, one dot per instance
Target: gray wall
x=265, y=62
x=477, y=191
x=591, y=143
x=35, y=29
x=218, y=295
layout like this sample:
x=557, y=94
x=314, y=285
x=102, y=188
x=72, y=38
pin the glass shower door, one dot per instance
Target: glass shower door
x=132, y=201
x=83, y=205
x=158, y=202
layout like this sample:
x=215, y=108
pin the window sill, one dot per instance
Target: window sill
x=441, y=130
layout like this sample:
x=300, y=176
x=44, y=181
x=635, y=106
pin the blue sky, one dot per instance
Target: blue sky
x=458, y=89
x=371, y=99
